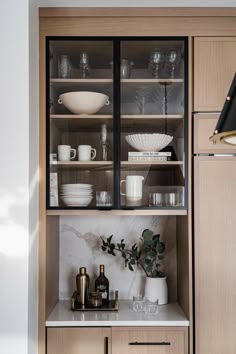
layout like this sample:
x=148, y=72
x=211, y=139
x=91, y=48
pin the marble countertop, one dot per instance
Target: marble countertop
x=167, y=315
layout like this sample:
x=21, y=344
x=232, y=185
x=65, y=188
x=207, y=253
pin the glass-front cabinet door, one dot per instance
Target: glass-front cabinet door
x=153, y=128
x=80, y=123
x=116, y=123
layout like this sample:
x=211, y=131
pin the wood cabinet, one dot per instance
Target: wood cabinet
x=215, y=249
x=78, y=340
x=142, y=340
x=214, y=69
x=204, y=126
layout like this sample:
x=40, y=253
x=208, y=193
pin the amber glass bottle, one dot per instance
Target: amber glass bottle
x=102, y=285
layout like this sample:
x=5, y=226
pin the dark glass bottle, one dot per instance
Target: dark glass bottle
x=102, y=285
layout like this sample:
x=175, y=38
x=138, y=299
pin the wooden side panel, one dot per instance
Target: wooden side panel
x=183, y=273
x=123, y=336
x=214, y=69
x=48, y=227
x=78, y=340
x=204, y=126
x=215, y=249
x=52, y=263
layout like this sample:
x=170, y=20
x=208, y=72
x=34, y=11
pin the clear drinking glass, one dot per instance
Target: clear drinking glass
x=156, y=199
x=64, y=66
x=142, y=96
x=103, y=199
x=138, y=303
x=150, y=308
x=84, y=65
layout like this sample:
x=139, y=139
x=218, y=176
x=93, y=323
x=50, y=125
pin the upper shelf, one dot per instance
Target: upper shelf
x=106, y=165
x=86, y=81
x=73, y=122
x=123, y=81
x=152, y=81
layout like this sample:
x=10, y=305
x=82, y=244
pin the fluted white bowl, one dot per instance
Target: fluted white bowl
x=148, y=142
x=83, y=102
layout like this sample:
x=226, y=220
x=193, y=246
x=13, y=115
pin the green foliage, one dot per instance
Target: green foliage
x=148, y=254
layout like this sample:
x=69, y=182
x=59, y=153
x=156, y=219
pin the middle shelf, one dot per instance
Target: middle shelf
x=136, y=165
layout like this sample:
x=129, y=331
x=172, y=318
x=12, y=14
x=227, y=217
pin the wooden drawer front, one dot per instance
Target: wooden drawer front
x=78, y=340
x=204, y=126
x=214, y=69
x=143, y=340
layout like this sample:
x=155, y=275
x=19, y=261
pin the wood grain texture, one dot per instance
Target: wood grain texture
x=52, y=263
x=214, y=69
x=48, y=226
x=137, y=11
x=215, y=249
x=77, y=340
x=204, y=126
x=122, y=336
x=131, y=26
x=141, y=212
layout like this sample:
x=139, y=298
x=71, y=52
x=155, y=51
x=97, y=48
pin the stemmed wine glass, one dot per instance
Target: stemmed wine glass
x=172, y=57
x=155, y=63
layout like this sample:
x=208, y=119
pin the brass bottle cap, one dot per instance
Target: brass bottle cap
x=82, y=270
x=102, y=268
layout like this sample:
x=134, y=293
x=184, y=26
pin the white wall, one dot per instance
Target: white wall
x=33, y=178
x=137, y=3
x=18, y=178
x=14, y=176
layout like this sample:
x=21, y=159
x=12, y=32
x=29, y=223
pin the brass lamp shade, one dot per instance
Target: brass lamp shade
x=225, y=130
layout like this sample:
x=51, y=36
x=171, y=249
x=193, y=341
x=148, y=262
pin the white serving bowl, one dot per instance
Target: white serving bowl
x=83, y=201
x=148, y=142
x=83, y=102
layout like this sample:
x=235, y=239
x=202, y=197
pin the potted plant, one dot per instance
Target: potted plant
x=147, y=255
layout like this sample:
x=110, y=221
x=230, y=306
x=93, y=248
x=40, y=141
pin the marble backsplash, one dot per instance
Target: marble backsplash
x=80, y=246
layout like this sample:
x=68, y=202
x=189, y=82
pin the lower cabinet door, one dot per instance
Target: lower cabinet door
x=79, y=340
x=151, y=340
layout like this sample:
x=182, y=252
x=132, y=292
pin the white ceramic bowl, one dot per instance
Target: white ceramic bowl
x=83, y=102
x=148, y=142
x=78, y=201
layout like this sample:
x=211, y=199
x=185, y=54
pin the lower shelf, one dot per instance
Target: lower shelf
x=105, y=212
x=167, y=315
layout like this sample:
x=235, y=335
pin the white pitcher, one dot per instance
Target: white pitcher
x=133, y=188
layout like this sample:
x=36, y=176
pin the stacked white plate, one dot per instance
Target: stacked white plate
x=77, y=194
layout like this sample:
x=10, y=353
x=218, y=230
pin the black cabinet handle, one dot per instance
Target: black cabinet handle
x=106, y=345
x=149, y=343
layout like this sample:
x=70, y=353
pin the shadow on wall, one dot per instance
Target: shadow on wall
x=16, y=242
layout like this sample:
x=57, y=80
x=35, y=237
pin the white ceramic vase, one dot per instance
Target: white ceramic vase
x=156, y=289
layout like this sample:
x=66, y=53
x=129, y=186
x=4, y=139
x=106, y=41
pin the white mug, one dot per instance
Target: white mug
x=64, y=153
x=86, y=153
x=133, y=188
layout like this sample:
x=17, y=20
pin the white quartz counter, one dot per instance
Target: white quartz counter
x=167, y=315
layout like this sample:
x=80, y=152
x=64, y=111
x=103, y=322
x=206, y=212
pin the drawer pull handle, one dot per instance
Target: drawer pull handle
x=106, y=345
x=149, y=343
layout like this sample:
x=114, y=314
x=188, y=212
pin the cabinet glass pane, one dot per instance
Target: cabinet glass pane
x=80, y=123
x=153, y=110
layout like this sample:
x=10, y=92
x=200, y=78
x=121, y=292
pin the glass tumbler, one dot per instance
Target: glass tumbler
x=64, y=66
x=156, y=199
x=138, y=303
x=103, y=199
